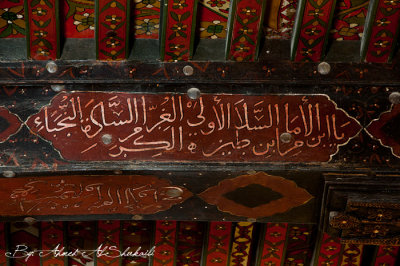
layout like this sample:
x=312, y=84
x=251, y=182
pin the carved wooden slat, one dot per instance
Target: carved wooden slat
x=330, y=250
x=43, y=30
x=381, y=31
x=311, y=29
x=352, y=255
x=272, y=244
x=178, y=30
x=112, y=29
x=246, y=20
x=52, y=238
x=241, y=244
x=218, y=244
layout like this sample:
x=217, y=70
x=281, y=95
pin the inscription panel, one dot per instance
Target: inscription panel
x=101, y=126
x=72, y=195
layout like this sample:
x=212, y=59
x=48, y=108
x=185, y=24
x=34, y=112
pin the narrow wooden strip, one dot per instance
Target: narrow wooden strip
x=329, y=251
x=240, y=253
x=386, y=255
x=112, y=29
x=273, y=244
x=219, y=239
x=108, y=243
x=52, y=238
x=3, y=245
x=177, y=38
x=136, y=237
x=25, y=238
x=43, y=34
x=351, y=255
x=81, y=236
x=299, y=245
x=246, y=20
x=165, y=242
x=311, y=29
x=189, y=243
x=381, y=31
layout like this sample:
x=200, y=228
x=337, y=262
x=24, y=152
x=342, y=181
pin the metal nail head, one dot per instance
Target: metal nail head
x=106, y=138
x=285, y=137
x=57, y=87
x=51, y=67
x=193, y=93
x=324, y=68
x=394, y=97
x=8, y=174
x=188, y=70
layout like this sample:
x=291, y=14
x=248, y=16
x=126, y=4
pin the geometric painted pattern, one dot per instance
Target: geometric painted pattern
x=12, y=19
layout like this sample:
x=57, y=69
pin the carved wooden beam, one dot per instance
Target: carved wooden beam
x=112, y=29
x=43, y=34
x=245, y=30
x=311, y=29
x=381, y=31
x=177, y=31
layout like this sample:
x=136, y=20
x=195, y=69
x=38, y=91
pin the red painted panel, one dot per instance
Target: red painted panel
x=165, y=243
x=219, y=239
x=71, y=195
x=99, y=126
x=274, y=244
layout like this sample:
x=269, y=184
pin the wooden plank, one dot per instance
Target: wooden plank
x=112, y=29
x=90, y=195
x=311, y=29
x=245, y=30
x=165, y=243
x=165, y=127
x=272, y=244
x=381, y=31
x=217, y=250
x=178, y=30
x=43, y=29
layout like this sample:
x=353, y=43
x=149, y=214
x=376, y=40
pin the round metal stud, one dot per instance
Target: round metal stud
x=29, y=220
x=117, y=172
x=106, y=139
x=394, y=97
x=8, y=174
x=174, y=192
x=137, y=217
x=57, y=87
x=193, y=93
x=285, y=137
x=251, y=220
x=188, y=70
x=324, y=68
x=51, y=67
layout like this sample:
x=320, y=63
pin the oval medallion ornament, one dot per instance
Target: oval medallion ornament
x=104, y=126
x=9, y=124
x=256, y=196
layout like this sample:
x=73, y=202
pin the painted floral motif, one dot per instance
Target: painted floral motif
x=349, y=19
x=146, y=22
x=212, y=18
x=79, y=18
x=12, y=22
x=281, y=26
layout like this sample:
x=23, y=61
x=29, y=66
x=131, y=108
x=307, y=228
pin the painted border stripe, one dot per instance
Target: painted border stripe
x=273, y=244
x=386, y=255
x=245, y=29
x=352, y=255
x=52, y=236
x=218, y=244
x=165, y=243
x=112, y=29
x=381, y=31
x=108, y=236
x=178, y=30
x=43, y=34
x=329, y=251
x=241, y=244
x=311, y=30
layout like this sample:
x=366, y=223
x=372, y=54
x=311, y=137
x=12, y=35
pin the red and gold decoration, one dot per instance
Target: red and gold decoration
x=280, y=21
x=112, y=29
x=352, y=255
x=136, y=236
x=12, y=19
x=25, y=237
x=241, y=244
x=52, y=239
x=146, y=23
x=108, y=237
x=313, y=25
x=330, y=251
x=3, y=244
x=43, y=36
x=381, y=33
x=246, y=28
x=299, y=245
x=212, y=18
x=165, y=243
x=178, y=34
x=78, y=18
x=273, y=244
x=256, y=195
x=386, y=255
x=189, y=243
x=219, y=239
